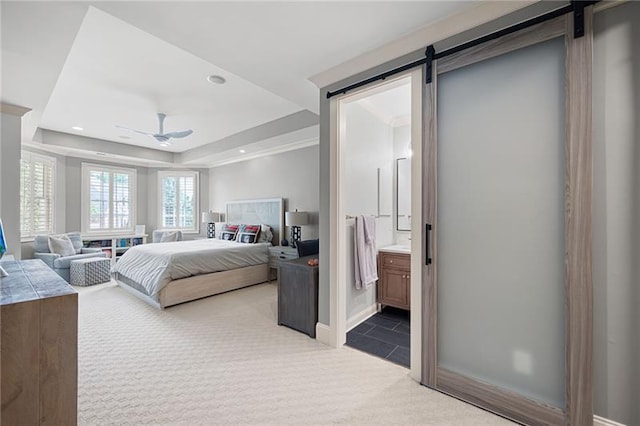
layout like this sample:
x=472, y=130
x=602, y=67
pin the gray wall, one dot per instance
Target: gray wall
x=147, y=194
x=10, y=142
x=74, y=193
x=616, y=208
x=68, y=195
x=292, y=175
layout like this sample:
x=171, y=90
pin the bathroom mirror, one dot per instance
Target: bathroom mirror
x=403, y=194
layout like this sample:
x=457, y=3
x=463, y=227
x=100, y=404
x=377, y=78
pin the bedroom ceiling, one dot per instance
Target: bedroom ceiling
x=97, y=64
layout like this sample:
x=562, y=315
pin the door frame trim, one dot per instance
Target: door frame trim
x=337, y=216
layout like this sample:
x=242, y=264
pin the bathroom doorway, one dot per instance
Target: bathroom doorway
x=377, y=138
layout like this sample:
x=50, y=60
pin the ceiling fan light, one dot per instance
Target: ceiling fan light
x=216, y=79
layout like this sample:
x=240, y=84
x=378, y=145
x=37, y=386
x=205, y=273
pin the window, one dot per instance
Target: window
x=178, y=196
x=108, y=199
x=36, y=194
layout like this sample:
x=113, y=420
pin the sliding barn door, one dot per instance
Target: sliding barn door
x=507, y=186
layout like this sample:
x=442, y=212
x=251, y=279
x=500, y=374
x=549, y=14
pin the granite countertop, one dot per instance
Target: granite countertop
x=30, y=280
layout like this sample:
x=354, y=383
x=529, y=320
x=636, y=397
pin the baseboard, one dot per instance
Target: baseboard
x=601, y=421
x=323, y=334
x=362, y=316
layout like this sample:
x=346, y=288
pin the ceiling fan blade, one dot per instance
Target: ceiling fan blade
x=182, y=134
x=134, y=130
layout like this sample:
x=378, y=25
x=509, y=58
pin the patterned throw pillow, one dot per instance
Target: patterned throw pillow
x=229, y=232
x=248, y=234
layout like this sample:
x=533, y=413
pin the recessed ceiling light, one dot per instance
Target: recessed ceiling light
x=77, y=128
x=124, y=137
x=101, y=153
x=165, y=144
x=216, y=79
x=242, y=151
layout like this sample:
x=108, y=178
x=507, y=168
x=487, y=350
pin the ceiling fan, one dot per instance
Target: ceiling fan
x=161, y=137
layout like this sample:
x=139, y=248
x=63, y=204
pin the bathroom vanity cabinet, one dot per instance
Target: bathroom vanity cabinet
x=394, y=279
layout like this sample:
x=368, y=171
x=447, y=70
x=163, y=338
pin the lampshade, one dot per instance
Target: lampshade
x=296, y=218
x=210, y=217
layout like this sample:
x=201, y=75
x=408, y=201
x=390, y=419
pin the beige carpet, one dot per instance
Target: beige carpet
x=224, y=360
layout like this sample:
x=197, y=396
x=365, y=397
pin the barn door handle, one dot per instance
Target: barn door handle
x=427, y=232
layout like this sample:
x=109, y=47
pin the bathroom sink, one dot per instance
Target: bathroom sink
x=396, y=248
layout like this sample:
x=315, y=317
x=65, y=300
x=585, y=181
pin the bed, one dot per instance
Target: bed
x=166, y=274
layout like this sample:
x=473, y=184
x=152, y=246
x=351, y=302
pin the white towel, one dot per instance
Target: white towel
x=364, y=251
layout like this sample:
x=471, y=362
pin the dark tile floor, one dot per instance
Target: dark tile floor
x=386, y=335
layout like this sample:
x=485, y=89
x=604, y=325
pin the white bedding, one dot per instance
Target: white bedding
x=154, y=265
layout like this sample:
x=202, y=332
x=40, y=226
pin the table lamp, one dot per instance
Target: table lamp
x=210, y=218
x=295, y=220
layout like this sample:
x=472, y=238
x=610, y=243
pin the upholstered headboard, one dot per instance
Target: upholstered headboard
x=269, y=211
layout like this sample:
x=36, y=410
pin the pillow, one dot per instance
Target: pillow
x=219, y=228
x=169, y=236
x=266, y=234
x=248, y=234
x=229, y=232
x=76, y=240
x=62, y=245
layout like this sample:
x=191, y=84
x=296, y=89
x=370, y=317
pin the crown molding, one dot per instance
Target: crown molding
x=265, y=152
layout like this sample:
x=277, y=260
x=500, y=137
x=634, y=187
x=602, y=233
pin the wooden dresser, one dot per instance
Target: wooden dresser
x=298, y=295
x=39, y=353
x=394, y=279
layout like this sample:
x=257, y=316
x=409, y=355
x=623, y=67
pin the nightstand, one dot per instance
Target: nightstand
x=280, y=253
x=298, y=295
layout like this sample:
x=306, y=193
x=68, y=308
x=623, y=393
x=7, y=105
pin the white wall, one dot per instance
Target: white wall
x=367, y=145
x=291, y=175
x=616, y=208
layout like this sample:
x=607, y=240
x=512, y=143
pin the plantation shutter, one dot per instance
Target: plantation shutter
x=169, y=211
x=178, y=195
x=186, y=201
x=108, y=195
x=36, y=194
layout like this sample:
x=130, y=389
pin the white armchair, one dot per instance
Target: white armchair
x=62, y=264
